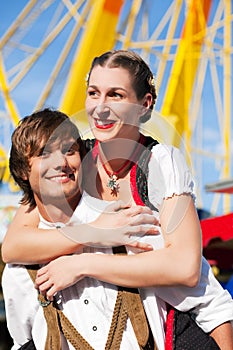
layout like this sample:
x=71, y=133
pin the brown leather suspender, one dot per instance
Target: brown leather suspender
x=128, y=304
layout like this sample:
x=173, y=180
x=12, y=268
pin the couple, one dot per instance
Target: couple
x=120, y=95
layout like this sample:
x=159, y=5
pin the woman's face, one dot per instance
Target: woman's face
x=112, y=105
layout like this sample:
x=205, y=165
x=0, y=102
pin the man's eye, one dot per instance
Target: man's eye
x=45, y=153
x=70, y=150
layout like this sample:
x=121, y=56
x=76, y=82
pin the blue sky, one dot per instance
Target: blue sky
x=26, y=94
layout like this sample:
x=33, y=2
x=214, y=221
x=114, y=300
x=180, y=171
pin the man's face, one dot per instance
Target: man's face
x=54, y=173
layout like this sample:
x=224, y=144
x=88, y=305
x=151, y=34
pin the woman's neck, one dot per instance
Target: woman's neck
x=115, y=153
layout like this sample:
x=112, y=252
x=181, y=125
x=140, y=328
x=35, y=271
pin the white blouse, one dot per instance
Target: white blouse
x=168, y=174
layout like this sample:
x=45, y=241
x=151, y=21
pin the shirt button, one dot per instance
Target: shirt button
x=86, y=301
x=94, y=328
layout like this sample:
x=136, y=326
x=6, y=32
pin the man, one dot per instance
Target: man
x=52, y=151
x=45, y=161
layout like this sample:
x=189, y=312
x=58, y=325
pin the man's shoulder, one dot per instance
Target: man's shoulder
x=89, y=144
x=17, y=272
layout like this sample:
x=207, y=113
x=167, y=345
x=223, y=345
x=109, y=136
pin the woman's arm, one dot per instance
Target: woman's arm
x=25, y=243
x=223, y=335
x=178, y=263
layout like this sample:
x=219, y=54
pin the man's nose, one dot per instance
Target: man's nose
x=60, y=160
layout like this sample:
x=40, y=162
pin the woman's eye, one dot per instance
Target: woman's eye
x=117, y=95
x=92, y=93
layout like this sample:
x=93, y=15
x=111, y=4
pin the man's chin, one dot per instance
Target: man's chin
x=58, y=197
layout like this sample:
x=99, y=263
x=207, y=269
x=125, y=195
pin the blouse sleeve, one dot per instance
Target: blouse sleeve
x=168, y=174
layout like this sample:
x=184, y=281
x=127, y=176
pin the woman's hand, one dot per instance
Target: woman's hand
x=117, y=225
x=50, y=280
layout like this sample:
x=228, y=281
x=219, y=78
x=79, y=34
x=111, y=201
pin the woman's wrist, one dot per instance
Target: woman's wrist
x=86, y=265
x=92, y=265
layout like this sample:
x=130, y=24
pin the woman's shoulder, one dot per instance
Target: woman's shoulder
x=168, y=154
x=162, y=148
x=169, y=172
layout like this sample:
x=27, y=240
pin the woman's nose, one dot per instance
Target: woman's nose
x=102, y=107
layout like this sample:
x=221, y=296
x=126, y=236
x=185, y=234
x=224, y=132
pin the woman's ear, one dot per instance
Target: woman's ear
x=25, y=176
x=146, y=110
x=146, y=103
x=147, y=100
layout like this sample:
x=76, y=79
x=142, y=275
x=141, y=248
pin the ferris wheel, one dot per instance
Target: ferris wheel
x=47, y=49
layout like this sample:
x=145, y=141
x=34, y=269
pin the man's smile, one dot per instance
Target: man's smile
x=62, y=178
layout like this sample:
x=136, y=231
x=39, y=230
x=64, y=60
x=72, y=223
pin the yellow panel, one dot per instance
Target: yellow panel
x=180, y=84
x=10, y=107
x=98, y=37
x=3, y=163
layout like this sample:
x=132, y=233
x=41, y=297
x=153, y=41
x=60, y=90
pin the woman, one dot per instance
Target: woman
x=121, y=95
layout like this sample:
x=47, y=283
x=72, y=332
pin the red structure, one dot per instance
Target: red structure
x=217, y=232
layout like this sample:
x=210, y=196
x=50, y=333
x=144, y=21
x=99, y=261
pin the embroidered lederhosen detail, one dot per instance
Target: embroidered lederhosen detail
x=57, y=322
x=128, y=304
x=136, y=312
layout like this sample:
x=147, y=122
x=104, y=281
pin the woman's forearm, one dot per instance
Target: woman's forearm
x=36, y=246
x=155, y=268
x=178, y=263
x=25, y=243
x=148, y=269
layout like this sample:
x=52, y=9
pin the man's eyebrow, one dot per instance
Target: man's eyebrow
x=73, y=143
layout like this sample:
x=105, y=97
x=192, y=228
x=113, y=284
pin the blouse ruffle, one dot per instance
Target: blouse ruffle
x=169, y=174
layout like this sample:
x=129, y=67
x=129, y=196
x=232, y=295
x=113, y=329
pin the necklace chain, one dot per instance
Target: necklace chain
x=112, y=183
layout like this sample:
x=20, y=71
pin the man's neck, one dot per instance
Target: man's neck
x=54, y=214
x=60, y=212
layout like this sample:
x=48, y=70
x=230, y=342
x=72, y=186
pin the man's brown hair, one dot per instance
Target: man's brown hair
x=29, y=140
